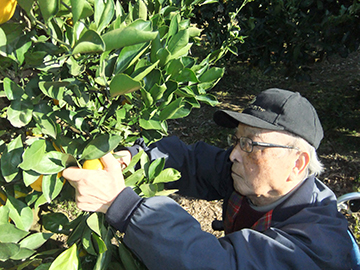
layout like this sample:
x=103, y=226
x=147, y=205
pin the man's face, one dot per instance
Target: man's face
x=265, y=174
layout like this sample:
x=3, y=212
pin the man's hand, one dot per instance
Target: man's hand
x=96, y=190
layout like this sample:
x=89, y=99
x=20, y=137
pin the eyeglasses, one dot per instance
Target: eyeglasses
x=247, y=144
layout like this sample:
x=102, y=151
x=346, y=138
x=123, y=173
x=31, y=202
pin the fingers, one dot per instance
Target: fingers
x=110, y=163
x=73, y=173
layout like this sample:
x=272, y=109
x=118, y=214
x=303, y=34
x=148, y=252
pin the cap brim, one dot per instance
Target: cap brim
x=231, y=119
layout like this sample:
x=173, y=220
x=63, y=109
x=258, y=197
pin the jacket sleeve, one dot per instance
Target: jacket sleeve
x=205, y=169
x=164, y=236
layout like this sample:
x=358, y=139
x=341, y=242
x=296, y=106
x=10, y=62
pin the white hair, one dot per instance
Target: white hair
x=315, y=167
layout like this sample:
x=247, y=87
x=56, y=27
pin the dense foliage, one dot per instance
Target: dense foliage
x=80, y=78
x=292, y=33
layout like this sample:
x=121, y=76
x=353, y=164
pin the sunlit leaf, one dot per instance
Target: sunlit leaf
x=107, y=13
x=35, y=240
x=128, y=36
x=101, y=246
x=77, y=7
x=93, y=223
x=4, y=214
x=20, y=213
x=66, y=260
x=178, y=41
x=101, y=145
x=51, y=186
x=155, y=168
x=20, y=112
x=12, y=90
x=11, y=234
x=171, y=109
x=212, y=74
x=90, y=42
x=122, y=84
x=149, y=190
x=49, y=8
x=167, y=175
x=135, y=178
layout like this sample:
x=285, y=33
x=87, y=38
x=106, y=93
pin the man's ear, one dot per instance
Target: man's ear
x=301, y=163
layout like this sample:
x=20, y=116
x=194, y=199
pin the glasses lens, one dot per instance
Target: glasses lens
x=246, y=144
x=354, y=205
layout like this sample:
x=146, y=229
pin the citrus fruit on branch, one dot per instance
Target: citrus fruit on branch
x=93, y=164
x=7, y=9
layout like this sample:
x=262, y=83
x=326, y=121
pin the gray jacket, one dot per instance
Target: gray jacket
x=306, y=231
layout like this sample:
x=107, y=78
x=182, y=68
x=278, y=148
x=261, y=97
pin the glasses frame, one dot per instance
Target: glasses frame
x=242, y=142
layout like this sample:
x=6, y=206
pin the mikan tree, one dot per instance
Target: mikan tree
x=80, y=78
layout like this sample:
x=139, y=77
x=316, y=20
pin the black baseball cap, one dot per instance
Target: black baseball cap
x=277, y=109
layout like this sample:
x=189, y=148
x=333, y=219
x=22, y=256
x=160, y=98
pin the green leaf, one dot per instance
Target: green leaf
x=171, y=109
x=12, y=90
x=77, y=7
x=20, y=112
x=164, y=56
x=155, y=168
x=20, y=213
x=93, y=223
x=54, y=90
x=51, y=186
x=128, y=36
x=166, y=192
x=212, y=74
x=47, y=163
x=122, y=84
x=35, y=240
x=208, y=99
x=144, y=71
x=100, y=244
x=55, y=222
x=11, y=158
x=30, y=177
x=140, y=10
x=135, y=159
x=99, y=146
x=87, y=241
x=178, y=41
x=11, y=234
x=49, y=8
x=167, y=175
x=149, y=190
x=7, y=250
x=3, y=40
x=33, y=154
x=106, y=15
x=40, y=201
x=22, y=254
x=47, y=124
x=104, y=258
x=90, y=42
x=128, y=55
x=187, y=75
x=135, y=178
x=4, y=214
x=66, y=260
x=127, y=258
x=150, y=124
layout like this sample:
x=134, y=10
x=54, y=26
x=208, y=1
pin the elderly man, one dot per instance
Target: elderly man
x=277, y=214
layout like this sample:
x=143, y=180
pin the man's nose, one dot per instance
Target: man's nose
x=235, y=154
